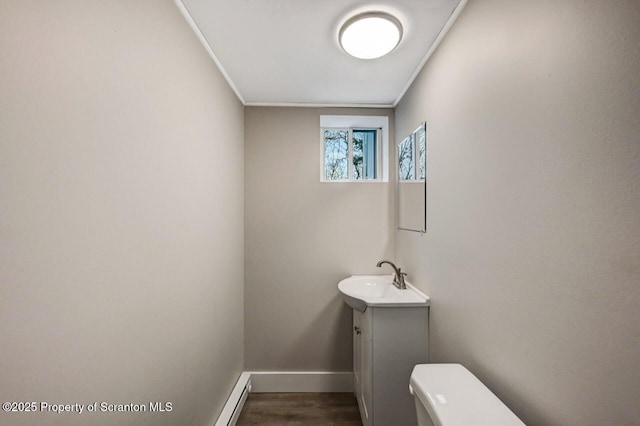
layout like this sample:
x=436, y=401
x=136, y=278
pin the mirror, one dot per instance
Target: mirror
x=411, y=182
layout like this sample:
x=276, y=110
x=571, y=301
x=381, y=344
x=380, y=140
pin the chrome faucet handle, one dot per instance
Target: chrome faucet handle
x=401, y=276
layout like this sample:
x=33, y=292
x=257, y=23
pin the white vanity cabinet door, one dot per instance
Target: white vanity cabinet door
x=366, y=358
x=357, y=350
x=363, y=364
x=387, y=343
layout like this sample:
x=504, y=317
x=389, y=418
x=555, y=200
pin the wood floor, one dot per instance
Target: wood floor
x=297, y=409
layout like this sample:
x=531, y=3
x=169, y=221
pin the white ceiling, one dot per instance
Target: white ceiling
x=286, y=52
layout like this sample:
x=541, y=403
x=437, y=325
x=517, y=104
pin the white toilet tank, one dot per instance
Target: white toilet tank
x=449, y=395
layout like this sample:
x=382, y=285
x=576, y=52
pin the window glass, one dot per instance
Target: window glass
x=364, y=154
x=336, y=154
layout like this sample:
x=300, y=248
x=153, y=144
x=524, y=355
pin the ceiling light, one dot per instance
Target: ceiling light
x=370, y=35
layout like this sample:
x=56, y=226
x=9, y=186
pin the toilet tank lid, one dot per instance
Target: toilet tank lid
x=452, y=395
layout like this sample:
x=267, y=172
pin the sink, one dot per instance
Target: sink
x=361, y=291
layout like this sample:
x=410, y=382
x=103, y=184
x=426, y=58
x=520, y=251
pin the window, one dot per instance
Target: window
x=353, y=148
x=350, y=154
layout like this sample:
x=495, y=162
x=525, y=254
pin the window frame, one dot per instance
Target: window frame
x=359, y=122
x=350, y=165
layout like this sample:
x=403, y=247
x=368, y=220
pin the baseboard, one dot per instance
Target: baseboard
x=235, y=402
x=281, y=381
x=301, y=381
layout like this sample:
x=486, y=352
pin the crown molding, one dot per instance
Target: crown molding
x=187, y=16
x=314, y=105
x=443, y=32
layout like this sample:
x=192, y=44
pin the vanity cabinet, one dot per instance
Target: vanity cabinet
x=387, y=343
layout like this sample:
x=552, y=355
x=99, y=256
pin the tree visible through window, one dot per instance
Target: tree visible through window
x=350, y=154
x=364, y=154
x=336, y=154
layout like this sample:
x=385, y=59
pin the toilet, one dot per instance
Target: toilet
x=450, y=395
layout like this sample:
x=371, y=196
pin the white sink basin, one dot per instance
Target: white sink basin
x=360, y=291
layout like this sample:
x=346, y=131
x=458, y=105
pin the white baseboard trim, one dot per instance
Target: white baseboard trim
x=301, y=381
x=235, y=402
x=281, y=381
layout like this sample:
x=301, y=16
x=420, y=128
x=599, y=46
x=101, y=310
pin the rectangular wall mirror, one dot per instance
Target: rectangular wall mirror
x=411, y=182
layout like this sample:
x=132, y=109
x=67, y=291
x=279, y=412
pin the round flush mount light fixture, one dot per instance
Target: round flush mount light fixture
x=370, y=35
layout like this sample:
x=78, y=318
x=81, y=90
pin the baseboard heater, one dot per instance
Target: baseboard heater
x=233, y=407
x=281, y=381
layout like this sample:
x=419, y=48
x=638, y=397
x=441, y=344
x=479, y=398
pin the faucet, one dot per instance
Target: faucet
x=398, y=280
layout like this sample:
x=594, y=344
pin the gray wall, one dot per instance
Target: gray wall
x=531, y=256
x=121, y=214
x=302, y=237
